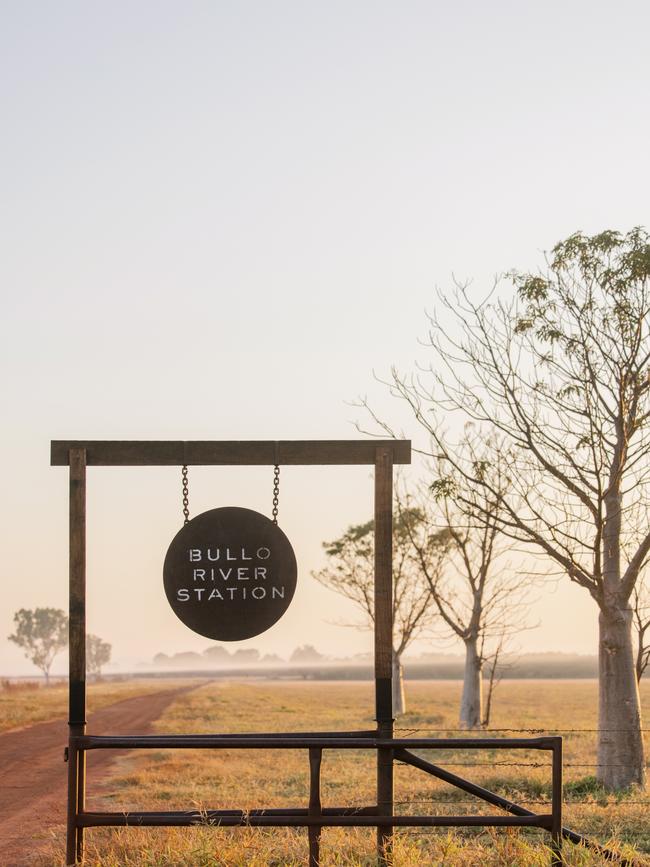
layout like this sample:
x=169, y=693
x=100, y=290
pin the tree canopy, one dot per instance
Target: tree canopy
x=41, y=633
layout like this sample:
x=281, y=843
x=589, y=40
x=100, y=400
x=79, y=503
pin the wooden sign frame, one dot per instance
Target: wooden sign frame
x=78, y=455
x=383, y=455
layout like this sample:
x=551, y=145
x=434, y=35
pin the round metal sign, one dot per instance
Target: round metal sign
x=230, y=573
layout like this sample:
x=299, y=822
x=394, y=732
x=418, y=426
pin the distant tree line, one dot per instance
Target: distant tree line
x=42, y=633
x=220, y=657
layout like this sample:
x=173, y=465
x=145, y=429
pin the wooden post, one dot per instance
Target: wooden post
x=315, y=807
x=556, y=830
x=384, y=642
x=77, y=653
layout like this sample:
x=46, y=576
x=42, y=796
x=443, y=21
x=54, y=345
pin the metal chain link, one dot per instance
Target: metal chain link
x=186, y=498
x=276, y=492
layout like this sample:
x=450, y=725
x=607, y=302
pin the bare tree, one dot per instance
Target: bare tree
x=494, y=666
x=563, y=373
x=350, y=571
x=478, y=597
x=98, y=654
x=641, y=609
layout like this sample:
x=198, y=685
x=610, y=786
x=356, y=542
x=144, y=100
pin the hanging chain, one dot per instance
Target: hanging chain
x=276, y=492
x=186, y=497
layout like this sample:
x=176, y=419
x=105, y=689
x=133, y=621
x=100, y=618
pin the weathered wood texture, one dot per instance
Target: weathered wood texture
x=384, y=642
x=77, y=623
x=384, y=581
x=237, y=453
x=77, y=653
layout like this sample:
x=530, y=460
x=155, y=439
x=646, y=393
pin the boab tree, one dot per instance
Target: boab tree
x=563, y=373
x=350, y=571
x=41, y=633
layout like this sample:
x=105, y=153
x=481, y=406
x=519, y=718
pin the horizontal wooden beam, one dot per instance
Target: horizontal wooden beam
x=163, y=453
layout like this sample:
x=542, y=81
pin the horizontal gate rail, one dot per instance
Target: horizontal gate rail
x=298, y=741
x=254, y=819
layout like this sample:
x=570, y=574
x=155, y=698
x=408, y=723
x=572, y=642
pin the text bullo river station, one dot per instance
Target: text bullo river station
x=204, y=579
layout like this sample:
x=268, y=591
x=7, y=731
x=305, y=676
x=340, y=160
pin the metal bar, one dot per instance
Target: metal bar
x=270, y=741
x=291, y=811
x=556, y=828
x=383, y=621
x=234, y=453
x=361, y=733
x=72, y=830
x=315, y=805
x=215, y=817
x=77, y=654
x=81, y=801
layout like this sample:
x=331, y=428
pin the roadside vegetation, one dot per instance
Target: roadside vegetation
x=180, y=780
x=26, y=703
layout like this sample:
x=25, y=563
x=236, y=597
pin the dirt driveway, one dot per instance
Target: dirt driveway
x=33, y=774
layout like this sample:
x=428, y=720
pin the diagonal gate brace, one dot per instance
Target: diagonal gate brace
x=410, y=758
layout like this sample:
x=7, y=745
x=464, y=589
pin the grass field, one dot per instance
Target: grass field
x=27, y=703
x=171, y=780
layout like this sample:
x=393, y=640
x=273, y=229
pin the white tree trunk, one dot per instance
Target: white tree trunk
x=471, y=703
x=399, y=702
x=620, y=742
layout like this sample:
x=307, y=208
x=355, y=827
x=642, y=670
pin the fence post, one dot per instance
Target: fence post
x=315, y=807
x=556, y=827
x=384, y=642
x=77, y=654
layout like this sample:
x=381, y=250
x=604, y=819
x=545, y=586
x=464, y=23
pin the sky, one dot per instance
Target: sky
x=219, y=219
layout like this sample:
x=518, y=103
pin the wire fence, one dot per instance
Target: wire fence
x=431, y=730
x=501, y=764
x=529, y=731
x=529, y=801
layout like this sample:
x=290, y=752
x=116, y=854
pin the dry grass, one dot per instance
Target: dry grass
x=169, y=780
x=24, y=704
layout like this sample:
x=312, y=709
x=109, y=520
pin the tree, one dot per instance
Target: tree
x=306, y=654
x=350, y=571
x=562, y=372
x=217, y=655
x=478, y=597
x=246, y=656
x=641, y=614
x=98, y=654
x=41, y=633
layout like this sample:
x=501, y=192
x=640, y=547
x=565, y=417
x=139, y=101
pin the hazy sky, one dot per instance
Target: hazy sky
x=219, y=217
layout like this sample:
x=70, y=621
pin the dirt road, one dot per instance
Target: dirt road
x=33, y=774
